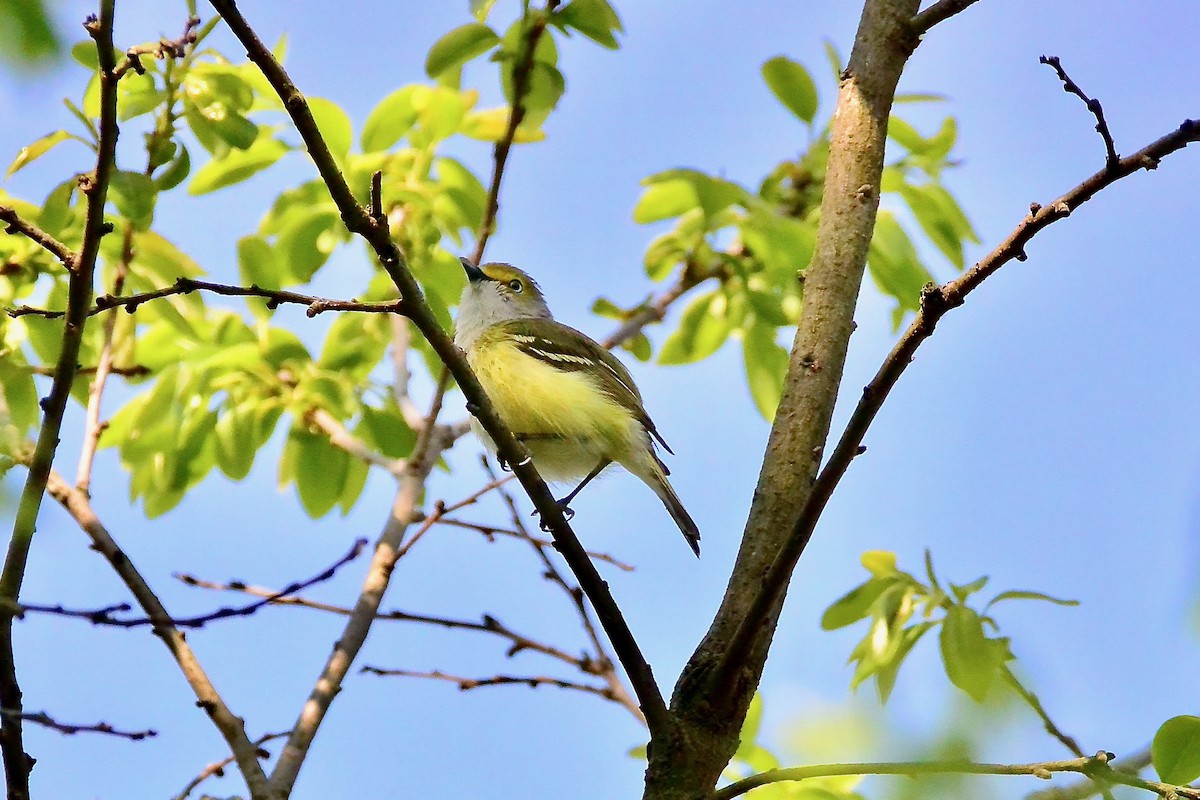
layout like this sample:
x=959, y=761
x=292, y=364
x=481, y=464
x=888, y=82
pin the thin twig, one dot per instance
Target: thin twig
x=653, y=311
x=522, y=72
x=67, y=729
x=1035, y=703
x=1096, y=768
x=163, y=48
x=401, y=375
x=229, y=724
x=935, y=302
x=14, y=224
x=1086, y=788
x=107, y=615
x=466, y=684
x=217, y=768
x=492, y=531
x=81, y=270
x=274, y=297
x=93, y=427
x=1111, y=159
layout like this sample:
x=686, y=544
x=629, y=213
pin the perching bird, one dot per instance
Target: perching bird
x=570, y=401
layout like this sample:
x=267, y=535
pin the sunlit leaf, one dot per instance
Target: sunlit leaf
x=595, y=19
x=237, y=165
x=134, y=195
x=391, y=118
x=703, y=328
x=35, y=150
x=972, y=661
x=334, y=125
x=1175, y=750
x=458, y=47
x=766, y=365
x=792, y=84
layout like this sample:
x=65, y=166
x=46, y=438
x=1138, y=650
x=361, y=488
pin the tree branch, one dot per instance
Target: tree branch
x=1070, y=87
x=359, y=221
x=67, y=729
x=80, y=268
x=466, y=684
x=217, y=768
x=716, y=686
x=1086, y=788
x=939, y=12
x=935, y=302
x=230, y=725
x=1096, y=768
x=516, y=112
x=15, y=225
x=274, y=297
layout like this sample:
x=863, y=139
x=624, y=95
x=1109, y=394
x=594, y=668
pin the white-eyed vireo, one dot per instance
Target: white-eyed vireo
x=570, y=401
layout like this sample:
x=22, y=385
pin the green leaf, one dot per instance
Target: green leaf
x=961, y=593
x=305, y=244
x=885, y=675
x=895, y=266
x=1175, y=750
x=137, y=95
x=639, y=346
x=334, y=125
x=356, y=480
x=595, y=19
x=1019, y=594
x=35, y=150
x=675, y=192
x=391, y=118
x=481, y=8
x=384, y=430
x=458, y=47
x=354, y=344
x=766, y=365
x=854, y=605
x=237, y=165
x=320, y=471
x=880, y=563
x=703, y=328
x=134, y=195
x=27, y=33
x=18, y=394
x=176, y=171
x=834, y=59
x=972, y=661
x=236, y=443
x=792, y=84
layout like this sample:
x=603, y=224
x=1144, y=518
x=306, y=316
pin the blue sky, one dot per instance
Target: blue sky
x=1045, y=436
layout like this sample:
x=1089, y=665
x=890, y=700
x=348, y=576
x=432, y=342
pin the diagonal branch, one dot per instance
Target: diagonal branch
x=67, y=729
x=935, y=302
x=359, y=221
x=217, y=768
x=522, y=73
x=80, y=268
x=230, y=725
x=939, y=12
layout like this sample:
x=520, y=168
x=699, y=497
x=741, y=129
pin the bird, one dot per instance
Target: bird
x=571, y=402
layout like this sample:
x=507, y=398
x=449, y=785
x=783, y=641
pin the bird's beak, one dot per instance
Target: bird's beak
x=474, y=273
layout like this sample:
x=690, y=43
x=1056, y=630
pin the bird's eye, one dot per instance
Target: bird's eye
x=515, y=285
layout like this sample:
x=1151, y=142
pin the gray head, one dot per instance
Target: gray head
x=495, y=293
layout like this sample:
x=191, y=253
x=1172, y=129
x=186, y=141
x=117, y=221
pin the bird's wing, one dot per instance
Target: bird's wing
x=569, y=350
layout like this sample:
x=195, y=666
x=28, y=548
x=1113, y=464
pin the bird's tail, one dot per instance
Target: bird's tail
x=683, y=519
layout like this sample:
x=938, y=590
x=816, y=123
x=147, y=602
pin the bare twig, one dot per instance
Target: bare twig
x=401, y=374
x=652, y=311
x=274, y=297
x=93, y=427
x=1086, y=788
x=229, y=724
x=1111, y=159
x=163, y=48
x=67, y=729
x=935, y=302
x=521, y=74
x=1035, y=703
x=939, y=12
x=491, y=531
x=466, y=684
x=1096, y=768
x=80, y=268
x=106, y=615
x=217, y=768
x=14, y=224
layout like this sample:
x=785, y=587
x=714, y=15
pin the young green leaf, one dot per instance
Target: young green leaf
x=134, y=195
x=595, y=19
x=334, y=125
x=703, y=328
x=238, y=165
x=1175, y=750
x=766, y=364
x=458, y=47
x=854, y=605
x=35, y=150
x=391, y=118
x=972, y=661
x=792, y=84
x=1019, y=594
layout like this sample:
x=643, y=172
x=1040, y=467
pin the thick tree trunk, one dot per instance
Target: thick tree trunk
x=714, y=691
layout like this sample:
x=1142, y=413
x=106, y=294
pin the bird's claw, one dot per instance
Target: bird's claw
x=567, y=512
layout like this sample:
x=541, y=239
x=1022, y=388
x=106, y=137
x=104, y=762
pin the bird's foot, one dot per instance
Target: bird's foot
x=567, y=512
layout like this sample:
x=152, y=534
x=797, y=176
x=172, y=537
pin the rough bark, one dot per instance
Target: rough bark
x=714, y=691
